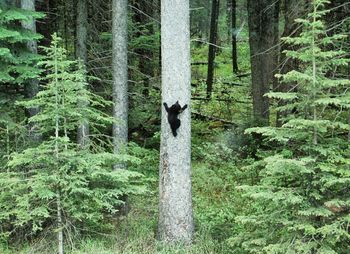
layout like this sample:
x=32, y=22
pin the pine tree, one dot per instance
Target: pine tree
x=57, y=181
x=301, y=201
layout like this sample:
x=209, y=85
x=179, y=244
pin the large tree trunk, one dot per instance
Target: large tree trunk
x=81, y=54
x=212, y=45
x=120, y=75
x=175, y=201
x=31, y=87
x=261, y=40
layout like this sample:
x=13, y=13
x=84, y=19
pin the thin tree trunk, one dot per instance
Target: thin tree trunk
x=31, y=87
x=60, y=225
x=120, y=75
x=212, y=45
x=314, y=85
x=58, y=201
x=175, y=200
x=234, y=31
x=8, y=149
x=261, y=40
x=81, y=53
x=349, y=130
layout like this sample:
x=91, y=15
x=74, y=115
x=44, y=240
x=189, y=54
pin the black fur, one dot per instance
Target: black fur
x=173, y=112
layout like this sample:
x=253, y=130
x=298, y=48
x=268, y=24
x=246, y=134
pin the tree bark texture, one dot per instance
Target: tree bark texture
x=175, y=200
x=212, y=45
x=120, y=75
x=261, y=40
x=234, y=31
x=81, y=54
x=60, y=239
x=31, y=87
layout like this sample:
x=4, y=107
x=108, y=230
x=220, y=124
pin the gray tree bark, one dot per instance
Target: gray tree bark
x=120, y=75
x=261, y=18
x=81, y=54
x=31, y=87
x=175, y=199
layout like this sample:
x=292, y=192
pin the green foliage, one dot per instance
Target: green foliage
x=16, y=63
x=133, y=234
x=58, y=174
x=301, y=200
x=214, y=177
x=17, y=66
x=65, y=88
x=231, y=94
x=213, y=191
x=144, y=113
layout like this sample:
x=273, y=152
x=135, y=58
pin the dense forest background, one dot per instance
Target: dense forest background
x=261, y=160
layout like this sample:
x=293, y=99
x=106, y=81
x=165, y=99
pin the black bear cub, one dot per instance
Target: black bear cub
x=173, y=112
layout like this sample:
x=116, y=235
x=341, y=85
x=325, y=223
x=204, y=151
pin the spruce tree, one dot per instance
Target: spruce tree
x=57, y=182
x=301, y=202
x=17, y=66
